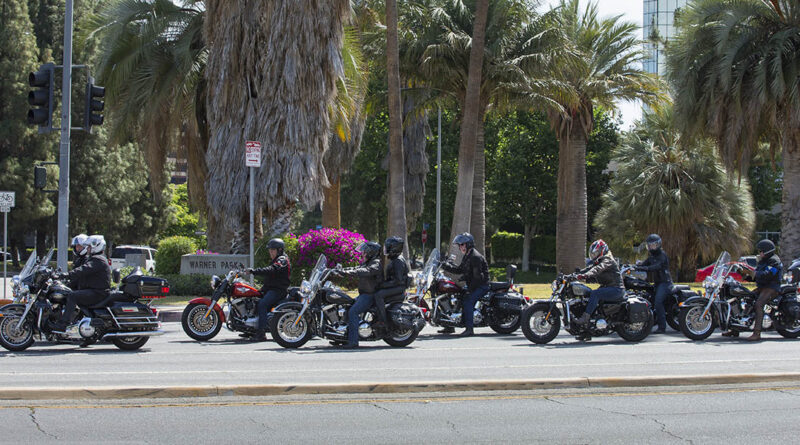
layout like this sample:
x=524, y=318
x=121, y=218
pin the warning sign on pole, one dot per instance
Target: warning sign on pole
x=252, y=154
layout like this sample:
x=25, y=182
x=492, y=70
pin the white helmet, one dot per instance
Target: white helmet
x=79, y=240
x=96, y=244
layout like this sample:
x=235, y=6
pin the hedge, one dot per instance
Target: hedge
x=507, y=246
x=170, y=250
x=195, y=285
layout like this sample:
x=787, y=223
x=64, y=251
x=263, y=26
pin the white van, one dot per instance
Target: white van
x=118, y=256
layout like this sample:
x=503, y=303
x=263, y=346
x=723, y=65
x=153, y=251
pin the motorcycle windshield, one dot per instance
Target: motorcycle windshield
x=430, y=267
x=28, y=268
x=48, y=257
x=319, y=268
x=721, y=267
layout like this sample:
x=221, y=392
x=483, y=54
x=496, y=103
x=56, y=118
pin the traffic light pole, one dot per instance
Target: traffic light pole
x=66, y=121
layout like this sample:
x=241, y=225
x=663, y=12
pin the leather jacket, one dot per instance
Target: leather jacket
x=370, y=275
x=768, y=272
x=605, y=272
x=276, y=275
x=657, y=267
x=94, y=274
x=474, y=269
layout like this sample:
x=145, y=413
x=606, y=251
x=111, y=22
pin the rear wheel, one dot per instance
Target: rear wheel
x=197, y=325
x=789, y=331
x=694, y=325
x=505, y=323
x=286, y=332
x=538, y=326
x=131, y=343
x=13, y=338
x=401, y=337
x=636, y=331
x=673, y=316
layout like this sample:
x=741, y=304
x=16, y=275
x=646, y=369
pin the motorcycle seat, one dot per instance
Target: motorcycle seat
x=113, y=297
x=788, y=289
x=679, y=287
x=499, y=285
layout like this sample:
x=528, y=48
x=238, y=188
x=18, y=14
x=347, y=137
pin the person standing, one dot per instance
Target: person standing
x=276, y=284
x=474, y=271
x=768, y=279
x=657, y=267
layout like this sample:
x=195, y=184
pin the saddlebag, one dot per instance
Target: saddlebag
x=791, y=308
x=638, y=311
x=405, y=316
x=141, y=286
x=509, y=302
x=134, y=316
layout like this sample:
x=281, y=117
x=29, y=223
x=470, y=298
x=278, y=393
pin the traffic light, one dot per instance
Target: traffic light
x=93, y=105
x=39, y=177
x=42, y=97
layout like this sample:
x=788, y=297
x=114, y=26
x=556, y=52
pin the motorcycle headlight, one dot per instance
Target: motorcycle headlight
x=554, y=286
x=787, y=277
x=305, y=287
x=214, y=281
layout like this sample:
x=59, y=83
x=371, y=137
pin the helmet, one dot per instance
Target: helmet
x=276, y=243
x=598, y=249
x=465, y=238
x=79, y=240
x=369, y=249
x=96, y=244
x=653, y=242
x=393, y=246
x=765, y=248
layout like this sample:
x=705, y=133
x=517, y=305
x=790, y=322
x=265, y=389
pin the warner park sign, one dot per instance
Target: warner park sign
x=212, y=264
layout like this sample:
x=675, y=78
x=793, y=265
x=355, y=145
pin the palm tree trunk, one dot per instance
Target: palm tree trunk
x=571, y=213
x=526, y=247
x=790, y=217
x=396, y=194
x=478, y=219
x=331, y=214
x=469, y=126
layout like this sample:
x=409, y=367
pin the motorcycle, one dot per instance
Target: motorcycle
x=635, y=285
x=632, y=318
x=203, y=317
x=20, y=284
x=730, y=305
x=322, y=312
x=499, y=309
x=124, y=317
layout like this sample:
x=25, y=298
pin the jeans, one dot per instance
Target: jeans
x=765, y=294
x=468, y=305
x=663, y=290
x=605, y=295
x=265, y=305
x=362, y=304
x=83, y=297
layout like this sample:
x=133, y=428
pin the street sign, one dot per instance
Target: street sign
x=424, y=236
x=5, y=209
x=252, y=154
x=7, y=199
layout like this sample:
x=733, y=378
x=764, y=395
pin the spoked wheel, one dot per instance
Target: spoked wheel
x=694, y=325
x=506, y=324
x=538, y=326
x=286, y=332
x=12, y=337
x=401, y=337
x=131, y=343
x=789, y=331
x=197, y=325
x=636, y=331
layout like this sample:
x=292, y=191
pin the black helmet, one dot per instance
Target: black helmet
x=465, y=238
x=393, y=246
x=276, y=243
x=369, y=249
x=653, y=242
x=765, y=248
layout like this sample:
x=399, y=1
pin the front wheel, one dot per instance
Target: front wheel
x=197, y=325
x=131, y=343
x=13, y=338
x=505, y=323
x=401, y=337
x=288, y=331
x=634, y=332
x=694, y=325
x=539, y=324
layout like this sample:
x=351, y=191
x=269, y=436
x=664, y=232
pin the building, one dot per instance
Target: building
x=659, y=21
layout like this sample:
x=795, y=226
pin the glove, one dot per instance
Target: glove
x=638, y=263
x=249, y=270
x=59, y=276
x=335, y=273
x=581, y=277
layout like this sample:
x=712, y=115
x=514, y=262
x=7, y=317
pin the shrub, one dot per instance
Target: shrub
x=195, y=285
x=170, y=250
x=543, y=249
x=338, y=245
x=507, y=246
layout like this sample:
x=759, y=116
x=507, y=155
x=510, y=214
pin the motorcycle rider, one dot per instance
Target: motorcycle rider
x=395, y=276
x=657, y=267
x=79, y=250
x=370, y=276
x=605, y=270
x=768, y=279
x=92, y=279
x=276, y=284
x=474, y=271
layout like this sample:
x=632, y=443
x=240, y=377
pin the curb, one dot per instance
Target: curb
x=31, y=393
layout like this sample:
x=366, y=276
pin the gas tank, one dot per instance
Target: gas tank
x=580, y=289
x=447, y=287
x=738, y=290
x=241, y=289
x=635, y=283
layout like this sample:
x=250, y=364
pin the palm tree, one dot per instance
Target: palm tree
x=396, y=198
x=678, y=190
x=734, y=70
x=603, y=68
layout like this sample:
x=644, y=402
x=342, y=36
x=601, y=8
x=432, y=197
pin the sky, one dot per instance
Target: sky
x=632, y=11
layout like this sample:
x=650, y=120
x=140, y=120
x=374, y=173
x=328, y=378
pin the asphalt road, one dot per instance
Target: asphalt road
x=176, y=360
x=729, y=415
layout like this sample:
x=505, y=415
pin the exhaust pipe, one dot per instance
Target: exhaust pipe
x=134, y=334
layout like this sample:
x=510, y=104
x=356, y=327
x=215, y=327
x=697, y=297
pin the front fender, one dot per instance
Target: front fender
x=12, y=309
x=694, y=301
x=287, y=306
x=207, y=301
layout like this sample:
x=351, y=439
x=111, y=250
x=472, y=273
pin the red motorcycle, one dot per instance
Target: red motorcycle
x=500, y=308
x=203, y=317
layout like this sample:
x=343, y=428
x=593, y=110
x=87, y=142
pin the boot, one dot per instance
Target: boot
x=58, y=326
x=467, y=333
x=755, y=337
x=259, y=336
x=583, y=319
x=446, y=331
x=730, y=334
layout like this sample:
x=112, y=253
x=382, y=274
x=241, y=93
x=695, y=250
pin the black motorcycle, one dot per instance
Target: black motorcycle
x=632, y=318
x=731, y=306
x=635, y=285
x=124, y=317
x=322, y=312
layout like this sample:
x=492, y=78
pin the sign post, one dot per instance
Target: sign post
x=253, y=161
x=7, y=201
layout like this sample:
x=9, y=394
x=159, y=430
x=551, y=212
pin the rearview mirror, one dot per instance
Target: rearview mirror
x=511, y=270
x=115, y=275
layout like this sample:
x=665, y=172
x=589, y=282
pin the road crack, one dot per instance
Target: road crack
x=35, y=422
x=262, y=424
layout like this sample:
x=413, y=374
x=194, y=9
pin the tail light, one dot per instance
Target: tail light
x=155, y=311
x=164, y=290
x=109, y=261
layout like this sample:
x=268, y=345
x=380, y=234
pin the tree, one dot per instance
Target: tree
x=680, y=191
x=603, y=66
x=396, y=198
x=733, y=68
